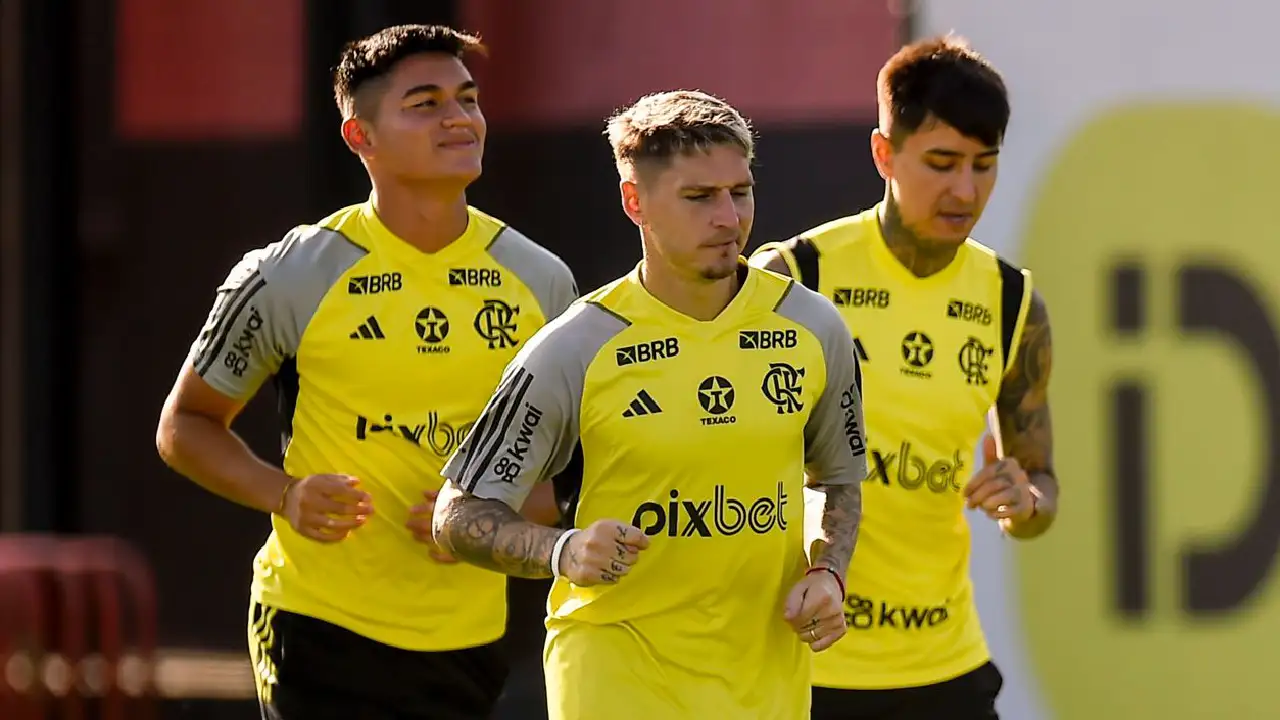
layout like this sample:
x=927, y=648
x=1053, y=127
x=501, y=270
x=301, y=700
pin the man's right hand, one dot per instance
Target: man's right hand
x=326, y=508
x=602, y=553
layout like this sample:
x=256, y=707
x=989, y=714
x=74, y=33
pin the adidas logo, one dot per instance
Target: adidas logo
x=642, y=405
x=368, y=330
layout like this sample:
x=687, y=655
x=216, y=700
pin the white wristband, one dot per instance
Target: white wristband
x=558, y=548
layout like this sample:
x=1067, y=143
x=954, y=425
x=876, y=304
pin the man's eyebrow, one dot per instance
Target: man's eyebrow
x=943, y=152
x=713, y=188
x=432, y=88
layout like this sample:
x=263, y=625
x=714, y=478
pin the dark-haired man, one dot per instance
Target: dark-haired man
x=945, y=329
x=694, y=392
x=385, y=326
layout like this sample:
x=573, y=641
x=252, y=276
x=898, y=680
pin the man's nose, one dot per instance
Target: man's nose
x=964, y=185
x=726, y=211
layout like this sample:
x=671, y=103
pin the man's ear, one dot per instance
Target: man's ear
x=357, y=138
x=882, y=153
x=631, y=201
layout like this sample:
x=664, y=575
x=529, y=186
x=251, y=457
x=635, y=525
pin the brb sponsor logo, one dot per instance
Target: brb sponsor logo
x=374, y=284
x=722, y=514
x=515, y=456
x=913, y=472
x=475, y=277
x=648, y=351
x=237, y=358
x=968, y=312
x=766, y=339
x=877, y=298
x=1166, y=355
x=863, y=613
x=440, y=437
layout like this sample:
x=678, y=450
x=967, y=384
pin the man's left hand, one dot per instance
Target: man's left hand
x=815, y=610
x=1001, y=488
x=420, y=525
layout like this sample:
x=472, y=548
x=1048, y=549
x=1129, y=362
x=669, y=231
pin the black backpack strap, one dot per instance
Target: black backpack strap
x=1013, y=290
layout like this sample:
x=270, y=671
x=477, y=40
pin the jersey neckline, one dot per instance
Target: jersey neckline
x=886, y=258
x=729, y=316
x=472, y=239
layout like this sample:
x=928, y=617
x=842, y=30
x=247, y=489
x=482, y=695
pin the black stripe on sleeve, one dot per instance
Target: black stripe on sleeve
x=806, y=257
x=236, y=306
x=1012, y=287
x=506, y=411
x=482, y=433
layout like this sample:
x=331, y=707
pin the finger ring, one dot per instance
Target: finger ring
x=813, y=634
x=1002, y=508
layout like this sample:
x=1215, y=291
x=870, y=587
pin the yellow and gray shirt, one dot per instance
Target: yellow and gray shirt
x=383, y=357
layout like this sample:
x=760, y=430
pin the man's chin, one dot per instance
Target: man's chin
x=720, y=271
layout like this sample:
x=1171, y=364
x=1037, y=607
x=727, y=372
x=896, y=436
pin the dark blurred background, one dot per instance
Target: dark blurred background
x=147, y=144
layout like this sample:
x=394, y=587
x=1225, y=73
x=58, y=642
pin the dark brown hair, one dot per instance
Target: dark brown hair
x=942, y=78
x=372, y=58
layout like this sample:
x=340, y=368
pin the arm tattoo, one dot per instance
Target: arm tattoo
x=488, y=533
x=1023, y=404
x=841, y=515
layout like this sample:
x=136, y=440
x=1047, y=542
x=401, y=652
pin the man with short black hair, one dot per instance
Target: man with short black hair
x=945, y=329
x=385, y=327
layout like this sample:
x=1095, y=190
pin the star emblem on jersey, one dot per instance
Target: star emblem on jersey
x=368, y=330
x=973, y=361
x=496, y=323
x=917, y=353
x=643, y=404
x=781, y=386
x=432, y=325
x=917, y=349
x=715, y=395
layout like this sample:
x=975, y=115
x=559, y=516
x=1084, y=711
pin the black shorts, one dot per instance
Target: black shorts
x=971, y=696
x=307, y=669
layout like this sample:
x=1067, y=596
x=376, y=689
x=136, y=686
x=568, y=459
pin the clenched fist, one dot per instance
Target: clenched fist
x=326, y=508
x=602, y=553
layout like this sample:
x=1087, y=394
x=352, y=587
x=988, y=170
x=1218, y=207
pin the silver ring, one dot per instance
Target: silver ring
x=1002, y=508
x=813, y=634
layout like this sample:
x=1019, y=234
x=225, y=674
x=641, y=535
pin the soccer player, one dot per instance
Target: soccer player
x=693, y=393
x=945, y=329
x=386, y=327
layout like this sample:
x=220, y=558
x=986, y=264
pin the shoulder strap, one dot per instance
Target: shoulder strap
x=1013, y=290
x=806, y=257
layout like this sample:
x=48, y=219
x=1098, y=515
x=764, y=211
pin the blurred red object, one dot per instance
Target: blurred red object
x=77, y=629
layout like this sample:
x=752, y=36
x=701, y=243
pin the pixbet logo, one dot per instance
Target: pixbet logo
x=720, y=515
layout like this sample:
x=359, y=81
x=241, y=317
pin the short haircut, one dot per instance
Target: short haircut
x=371, y=58
x=659, y=126
x=942, y=78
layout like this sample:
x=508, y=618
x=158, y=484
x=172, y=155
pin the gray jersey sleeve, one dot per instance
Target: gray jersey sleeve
x=529, y=429
x=835, y=441
x=263, y=306
x=542, y=271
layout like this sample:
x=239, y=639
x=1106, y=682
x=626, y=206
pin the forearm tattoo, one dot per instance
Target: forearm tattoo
x=491, y=535
x=841, y=515
x=1026, y=427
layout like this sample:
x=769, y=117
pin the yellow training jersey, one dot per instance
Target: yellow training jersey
x=383, y=357
x=933, y=351
x=698, y=433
